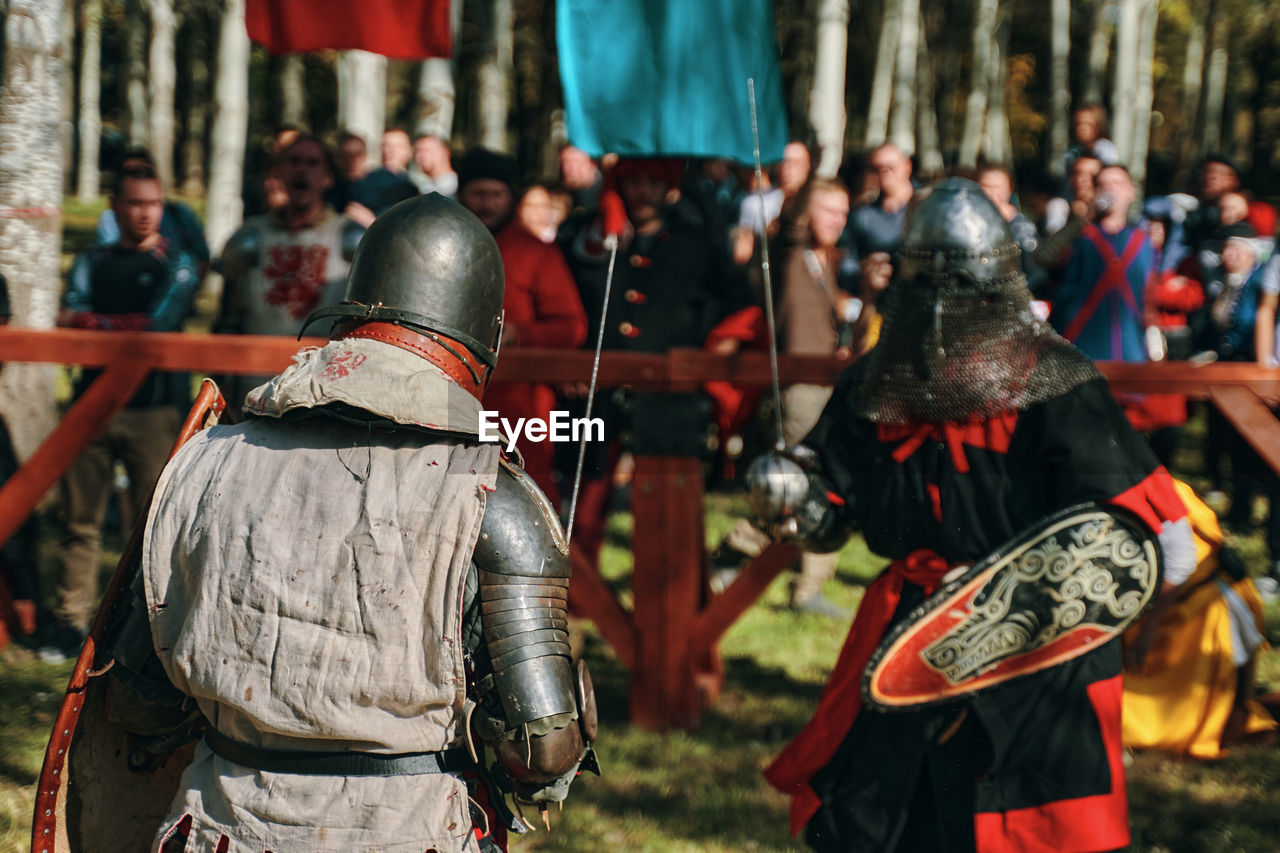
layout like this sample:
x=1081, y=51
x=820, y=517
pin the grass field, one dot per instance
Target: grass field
x=703, y=790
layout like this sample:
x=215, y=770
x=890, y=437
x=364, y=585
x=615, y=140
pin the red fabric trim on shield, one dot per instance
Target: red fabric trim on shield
x=813, y=748
x=1099, y=822
x=1154, y=500
x=400, y=29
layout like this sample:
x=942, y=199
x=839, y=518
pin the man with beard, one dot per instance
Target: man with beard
x=970, y=423
x=282, y=265
x=671, y=287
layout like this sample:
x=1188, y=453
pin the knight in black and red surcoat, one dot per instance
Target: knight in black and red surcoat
x=970, y=422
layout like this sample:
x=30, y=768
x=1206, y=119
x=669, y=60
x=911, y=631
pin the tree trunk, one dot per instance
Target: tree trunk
x=1215, y=88
x=827, y=100
x=930, y=147
x=435, y=98
x=882, y=82
x=436, y=91
x=31, y=198
x=87, y=181
x=975, y=115
x=362, y=96
x=1263, y=59
x=1060, y=81
x=1145, y=91
x=68, y=84
x=493, y=85
x=902, y=115
x=1123, y=94
x=197, y=111
x=135, y=87
x=230, y=126
x=996, y=144
x=293, y=91
x=1232, y=96
x=1099, y=46
x=1192, y=87
x=161, y=80
x=950, y=60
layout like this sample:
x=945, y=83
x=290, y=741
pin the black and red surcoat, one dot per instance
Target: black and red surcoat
x=1031, y=765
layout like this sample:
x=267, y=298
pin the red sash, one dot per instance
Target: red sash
x=814, y=747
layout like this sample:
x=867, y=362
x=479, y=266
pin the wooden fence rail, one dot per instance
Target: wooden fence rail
x=669, y=639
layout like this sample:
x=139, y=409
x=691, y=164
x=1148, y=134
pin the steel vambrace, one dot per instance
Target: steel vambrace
x=522, y=561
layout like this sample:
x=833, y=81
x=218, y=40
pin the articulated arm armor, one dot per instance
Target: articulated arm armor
x=792, y=502
x=535, y=708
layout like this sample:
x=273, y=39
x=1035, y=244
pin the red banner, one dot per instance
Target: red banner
x=399, y=29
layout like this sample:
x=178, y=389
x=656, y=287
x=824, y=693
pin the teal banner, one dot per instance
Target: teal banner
x=668, y=78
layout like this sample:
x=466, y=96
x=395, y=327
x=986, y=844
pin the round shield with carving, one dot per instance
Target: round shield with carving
x=1059, y=590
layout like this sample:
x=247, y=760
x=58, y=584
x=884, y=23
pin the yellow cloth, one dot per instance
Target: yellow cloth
x=1182, y=698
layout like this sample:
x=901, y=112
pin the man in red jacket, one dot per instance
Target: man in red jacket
x=542, y=307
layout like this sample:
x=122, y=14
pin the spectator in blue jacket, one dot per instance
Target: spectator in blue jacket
x=141, y=282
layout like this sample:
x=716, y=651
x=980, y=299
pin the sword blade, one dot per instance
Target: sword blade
x=591, y=389
x=767, y=276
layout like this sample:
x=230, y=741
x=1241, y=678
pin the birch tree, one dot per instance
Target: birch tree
x=1123, y=100
x=230, y=125
x=160, y=79
x=882, y=81
x=197, y=108
x=87, y=179
x=435, y=98
x=1099, y=48
x=436, y=92
x=827, y=99
x=67, y=85
x=1192, y=85
x=929, y=145
x=975, y=114
x=996, y=138
x=135, y=86
x=293, y=90
x=362, y=95
x=30, y=202
x=493, y=78
x=1060, y=81
x=1215, y=87
x=1144, y=91
x=902, y=115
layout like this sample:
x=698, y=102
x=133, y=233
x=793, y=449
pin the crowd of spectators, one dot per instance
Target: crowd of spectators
x=1183, y=276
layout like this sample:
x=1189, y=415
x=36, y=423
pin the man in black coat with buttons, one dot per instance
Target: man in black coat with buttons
x=671, y=286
